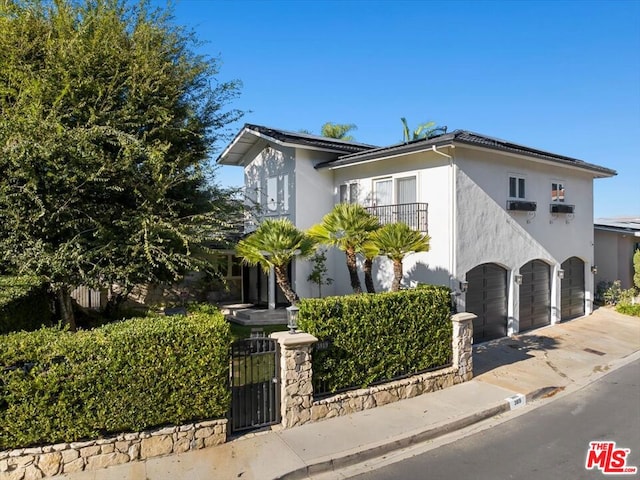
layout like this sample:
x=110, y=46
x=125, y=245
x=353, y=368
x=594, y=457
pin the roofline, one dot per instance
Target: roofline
x=556, y=161
x=623, y=230
x=451, y=139
x=397, y=150
x=252, y=129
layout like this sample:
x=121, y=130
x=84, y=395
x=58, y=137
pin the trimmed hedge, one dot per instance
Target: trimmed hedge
x=57, y=386
x=378, y=337
x=24, y=304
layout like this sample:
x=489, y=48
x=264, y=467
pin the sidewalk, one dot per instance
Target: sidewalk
x=539, y=364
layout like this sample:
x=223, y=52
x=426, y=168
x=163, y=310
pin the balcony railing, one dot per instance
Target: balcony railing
x=413, y=214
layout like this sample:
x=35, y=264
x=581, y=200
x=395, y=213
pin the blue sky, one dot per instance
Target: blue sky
x=558, y=76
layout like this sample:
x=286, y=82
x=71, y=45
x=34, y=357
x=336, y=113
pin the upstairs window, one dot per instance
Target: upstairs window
x=349, y=193
x=557, y=192
x=517, y=187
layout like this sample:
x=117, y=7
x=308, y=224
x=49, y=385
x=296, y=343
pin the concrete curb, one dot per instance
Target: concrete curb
x=349, y=458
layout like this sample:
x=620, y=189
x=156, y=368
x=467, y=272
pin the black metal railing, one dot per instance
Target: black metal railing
x=413, y=214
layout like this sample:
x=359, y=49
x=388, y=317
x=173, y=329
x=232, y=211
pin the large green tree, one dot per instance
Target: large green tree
x=396, y=241
x=107, y=119
x=347, y=227
x=275, y=244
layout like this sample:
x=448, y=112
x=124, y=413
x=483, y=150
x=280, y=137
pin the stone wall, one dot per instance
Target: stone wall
x=298, y=406
x=46, y=461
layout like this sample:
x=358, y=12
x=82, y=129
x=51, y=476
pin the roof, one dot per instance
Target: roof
x=629, y=225
x=250, y=134
x=463, y=137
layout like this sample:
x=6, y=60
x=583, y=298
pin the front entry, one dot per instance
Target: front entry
x=255, y=388
x=535, y=295
x=572, y=290
x=487, y=298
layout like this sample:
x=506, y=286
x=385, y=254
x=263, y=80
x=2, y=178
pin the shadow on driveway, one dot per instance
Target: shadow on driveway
x=505, y=351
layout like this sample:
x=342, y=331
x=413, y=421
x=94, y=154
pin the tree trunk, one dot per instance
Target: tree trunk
x=285, y=286
x=353, y=270
x=66, y=307
x=368, y=275
x=397, y=275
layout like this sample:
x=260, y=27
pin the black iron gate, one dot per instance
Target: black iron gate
x=255, y=388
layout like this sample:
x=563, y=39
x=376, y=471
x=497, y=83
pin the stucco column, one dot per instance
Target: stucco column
x=296, y=384
x=462, y=345
x=272, y=289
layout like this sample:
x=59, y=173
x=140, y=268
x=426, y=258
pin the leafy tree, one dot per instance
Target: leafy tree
x=396, y=241
x=424, y=130
x=107, y=118
x=347, y=227
x=274, y=244
x=319, y=273
x=338, y=130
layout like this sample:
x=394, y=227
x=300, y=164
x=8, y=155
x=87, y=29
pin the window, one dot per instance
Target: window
x=349, y=193
x=516, y=187
x=277, y=197
x=557, y=192
x=407, y=192
x=383, y=193
x=272, y=193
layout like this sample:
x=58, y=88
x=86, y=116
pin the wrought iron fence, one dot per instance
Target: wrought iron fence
x=413, y=214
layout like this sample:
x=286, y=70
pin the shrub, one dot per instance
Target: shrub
x=629, y=309
x=378, y=336
x=57, y=386
x=24, y=304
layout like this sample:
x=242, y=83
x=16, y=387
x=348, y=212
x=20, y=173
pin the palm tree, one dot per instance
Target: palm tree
x=396, y=241
x=347, y=227
x=370, y=251
x=424, y=130
x=274, y=244
x=338, y=130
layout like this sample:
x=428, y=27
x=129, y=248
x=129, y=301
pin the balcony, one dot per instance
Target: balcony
x=413, y=214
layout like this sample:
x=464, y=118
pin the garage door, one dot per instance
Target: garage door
x=487, y=298
x=572, y=290
x=535, y=295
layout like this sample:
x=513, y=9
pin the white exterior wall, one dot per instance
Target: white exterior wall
x=269, y=161
x=432, y=173
x=314, y=199
x=488, y=233
x=614, y=256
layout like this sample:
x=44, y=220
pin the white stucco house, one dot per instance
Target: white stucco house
x=511, y=227
x=616, y=240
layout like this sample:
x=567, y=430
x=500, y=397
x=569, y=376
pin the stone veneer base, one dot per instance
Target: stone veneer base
x=50, y=460
x=365, y=398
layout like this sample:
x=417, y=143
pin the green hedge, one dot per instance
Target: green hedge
x=57, y=386
x=378, y=337
x=24, y=304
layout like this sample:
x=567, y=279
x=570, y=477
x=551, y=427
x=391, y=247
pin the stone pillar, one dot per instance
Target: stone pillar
x=296, y=384
x=462, y=345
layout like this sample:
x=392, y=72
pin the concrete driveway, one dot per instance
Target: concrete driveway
x=551, y=359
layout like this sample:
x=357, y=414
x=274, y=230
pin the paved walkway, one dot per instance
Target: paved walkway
x=539, y=364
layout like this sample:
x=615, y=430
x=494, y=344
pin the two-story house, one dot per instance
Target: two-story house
x=511, y=227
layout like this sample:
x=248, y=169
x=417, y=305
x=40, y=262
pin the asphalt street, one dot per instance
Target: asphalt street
x=549, y=442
